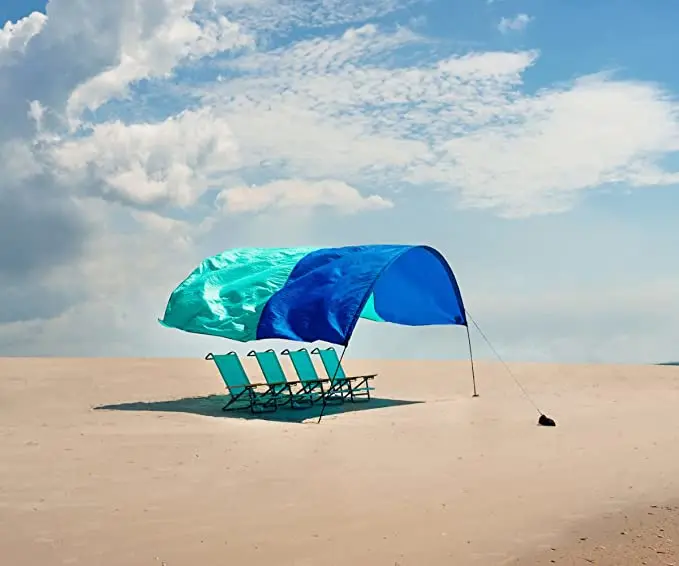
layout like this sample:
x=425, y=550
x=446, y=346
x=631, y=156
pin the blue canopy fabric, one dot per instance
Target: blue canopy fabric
x=315, y=294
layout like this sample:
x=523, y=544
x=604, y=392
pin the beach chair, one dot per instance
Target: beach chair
x=356, y=387
x=275, y=377
x=243, y=393
x=311, y=385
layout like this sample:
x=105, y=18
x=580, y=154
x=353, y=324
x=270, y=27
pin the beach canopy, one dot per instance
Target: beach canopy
x=315, y=294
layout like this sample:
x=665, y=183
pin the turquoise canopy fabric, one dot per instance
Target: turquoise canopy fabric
x=314, y=294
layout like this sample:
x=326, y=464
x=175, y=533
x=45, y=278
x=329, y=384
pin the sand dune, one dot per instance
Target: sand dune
x=424, y=476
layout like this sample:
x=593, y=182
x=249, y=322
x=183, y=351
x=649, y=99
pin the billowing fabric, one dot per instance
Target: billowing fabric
x=315, y=294
x=225, y=295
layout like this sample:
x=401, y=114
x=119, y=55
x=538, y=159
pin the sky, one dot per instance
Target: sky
x=534, y=143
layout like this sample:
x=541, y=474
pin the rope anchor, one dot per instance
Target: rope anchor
x=543, y=419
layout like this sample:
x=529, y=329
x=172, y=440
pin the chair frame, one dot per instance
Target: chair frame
x=278, y=389
x=308, y=386
x=257, y=402
x=357, y=386
x=265, y=397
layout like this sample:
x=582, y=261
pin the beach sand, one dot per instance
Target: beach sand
x=642, y=535
x=424, y=475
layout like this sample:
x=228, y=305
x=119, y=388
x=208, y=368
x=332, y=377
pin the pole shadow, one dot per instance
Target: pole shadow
x=211, y=406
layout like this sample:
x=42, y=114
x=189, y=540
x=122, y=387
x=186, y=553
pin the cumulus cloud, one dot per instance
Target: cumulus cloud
x=300, y=194
x=59, y=157
x=46, y=227
x=15, y=36
x=517, y=23
x=169, y=162
x=157, y=36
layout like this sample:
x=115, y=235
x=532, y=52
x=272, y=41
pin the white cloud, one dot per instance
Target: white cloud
x=326, y=55
x=340, y=108
x=280, y=15
x=65, y=250
x=177, y=37
x=517, y=23
x=173, y=161
x=112, y=211
x=343, y=108
x=19, y=162
x=561, y=142
x=299, y=194
x=14, y=37
x=326, y=107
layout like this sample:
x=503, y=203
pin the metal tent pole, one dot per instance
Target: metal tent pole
x=471, y=360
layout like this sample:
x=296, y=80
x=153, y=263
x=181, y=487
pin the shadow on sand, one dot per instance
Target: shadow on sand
x=211, y=406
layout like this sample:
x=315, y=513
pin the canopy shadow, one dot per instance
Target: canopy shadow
x=211, y=406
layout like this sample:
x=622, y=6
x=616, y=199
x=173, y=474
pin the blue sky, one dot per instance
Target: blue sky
x=534, y=143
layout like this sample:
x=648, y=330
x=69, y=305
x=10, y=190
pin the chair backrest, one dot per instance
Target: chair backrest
x=270, y=366
x=232, y=371
x=304, y=366
x=331, y=362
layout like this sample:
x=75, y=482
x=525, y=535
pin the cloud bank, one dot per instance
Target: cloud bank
x=133, y=142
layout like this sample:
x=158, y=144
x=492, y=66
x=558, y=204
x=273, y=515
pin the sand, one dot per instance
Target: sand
x=424, y=475
x=644, y=535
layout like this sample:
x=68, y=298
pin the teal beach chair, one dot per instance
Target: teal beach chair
x=280, y=388
x=311, y=385
x=356, y=387
x=243, y=393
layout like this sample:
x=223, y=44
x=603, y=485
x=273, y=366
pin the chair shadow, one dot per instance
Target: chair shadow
x=211, y=406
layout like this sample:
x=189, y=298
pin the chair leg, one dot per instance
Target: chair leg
x=364, y=388
x=303, y=398
x=286, y=392
x=266, y=402
x=235, y=398
x=337, y=393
